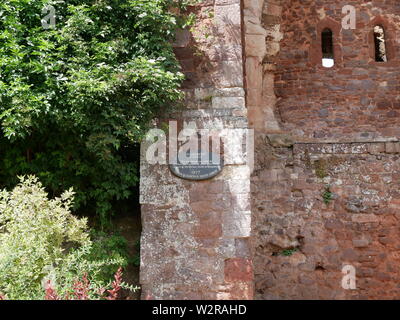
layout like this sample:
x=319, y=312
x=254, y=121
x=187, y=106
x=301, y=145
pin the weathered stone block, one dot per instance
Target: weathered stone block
x=364, y=218
x=238, y=269
x=228, y=102
x=392, y=147
x=237, y=224
x=360, y=243
x=255, y=45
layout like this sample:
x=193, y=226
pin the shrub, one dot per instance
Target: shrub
x=82, y=290
x=76, y=99
x=41, y=243
x=108, y=245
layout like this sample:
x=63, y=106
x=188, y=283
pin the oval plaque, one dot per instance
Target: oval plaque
x=199, y=166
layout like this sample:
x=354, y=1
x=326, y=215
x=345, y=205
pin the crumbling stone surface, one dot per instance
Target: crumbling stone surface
x=262, y=42
x=354, y=100
x=325, y=189
x=358, y=227
x=195, y=239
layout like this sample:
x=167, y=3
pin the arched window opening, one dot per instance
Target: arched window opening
x=380, y=44
x=328, y=60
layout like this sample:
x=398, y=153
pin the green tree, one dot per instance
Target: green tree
x=76, y=99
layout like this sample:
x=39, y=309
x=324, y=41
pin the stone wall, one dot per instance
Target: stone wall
x=358, y=98
x=302, y=241
x=323, y=133
x=195, y=241
x=325, y=189
x=290, y=90
x=263, y=36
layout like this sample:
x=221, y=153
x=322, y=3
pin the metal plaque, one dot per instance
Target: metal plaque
x=197, y=166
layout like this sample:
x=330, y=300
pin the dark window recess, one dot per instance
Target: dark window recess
x=327, y=48
x=380, y=44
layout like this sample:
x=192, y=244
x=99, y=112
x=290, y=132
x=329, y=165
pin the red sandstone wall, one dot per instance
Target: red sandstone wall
x=195, y=243
x=356, y=99
x=359, y=226
x=195, y=240
x=300, y=243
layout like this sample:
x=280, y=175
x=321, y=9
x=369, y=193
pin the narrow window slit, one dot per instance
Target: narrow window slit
x=380, y=45
x=328, y=60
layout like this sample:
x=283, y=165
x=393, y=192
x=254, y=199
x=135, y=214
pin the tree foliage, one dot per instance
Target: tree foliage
x=75, y=99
